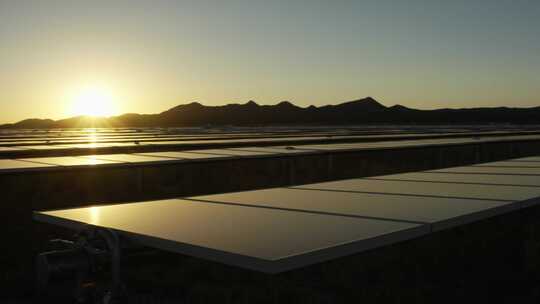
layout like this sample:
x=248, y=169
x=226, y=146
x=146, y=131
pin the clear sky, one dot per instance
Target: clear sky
x=148, y=56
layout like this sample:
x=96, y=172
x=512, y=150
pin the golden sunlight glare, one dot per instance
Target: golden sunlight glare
x=93, y=101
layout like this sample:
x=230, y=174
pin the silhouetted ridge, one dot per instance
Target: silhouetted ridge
x=251, y=103
x=401, y=108
x=32, y=123
x=361, y=111
x=286, y=104
x=190, y=106
x=365, y=104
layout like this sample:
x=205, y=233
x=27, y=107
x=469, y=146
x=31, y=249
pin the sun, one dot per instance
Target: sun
x=93, y=101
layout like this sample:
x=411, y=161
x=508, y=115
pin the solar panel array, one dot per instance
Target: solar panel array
x=92, y=141
x=97, y=137
x=279, y=229
x=102, y=160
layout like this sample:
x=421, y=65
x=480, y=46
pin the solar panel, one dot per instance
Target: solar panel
x=382, y=144
x=527, y=159
x=514, y=164
x=69, y=161
x=231, y=152
x=262, y=239
x=456, y=190
x=12, y=149
x=129, y=158
x=270, y=150
x=23, y=143
x=328, y=147
x=46, y=147
x=169, y=142
x=490, y=179
x=490, y=170
x=17, y=165
x=87, y=145
x=300, y=148
x=181, y=155
x=440, y=212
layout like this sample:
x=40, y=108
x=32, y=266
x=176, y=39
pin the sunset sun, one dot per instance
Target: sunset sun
x=93, y=101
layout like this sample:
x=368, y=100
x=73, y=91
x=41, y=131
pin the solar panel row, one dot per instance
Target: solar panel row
x=105, y=134
x=278, y=229
x=383, y=141
x=156, y=157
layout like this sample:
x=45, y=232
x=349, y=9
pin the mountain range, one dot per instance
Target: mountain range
x=362, y=111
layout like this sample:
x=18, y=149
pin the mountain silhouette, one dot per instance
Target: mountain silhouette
x=362, y=111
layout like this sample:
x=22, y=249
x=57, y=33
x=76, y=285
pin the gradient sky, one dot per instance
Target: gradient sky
x=153, y=55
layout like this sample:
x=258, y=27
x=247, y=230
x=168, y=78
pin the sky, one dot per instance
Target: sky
x=148, y=56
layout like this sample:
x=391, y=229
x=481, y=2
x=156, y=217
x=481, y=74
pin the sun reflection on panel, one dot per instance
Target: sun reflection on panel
x=92, y=135
x=94, y=215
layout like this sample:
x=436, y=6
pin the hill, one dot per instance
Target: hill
x=361, y=111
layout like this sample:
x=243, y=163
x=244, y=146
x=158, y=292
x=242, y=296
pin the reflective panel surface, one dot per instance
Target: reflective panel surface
x=270, y=150
x=69, y=161
x=527, y=159
x=513, y=164
x=128, y=158
x=389, y=207
x=470, y=191
x=10, y=164
x=232, y=152
x=490, y=170
x=246, y=236
x=490, y=179
x=181, y=155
